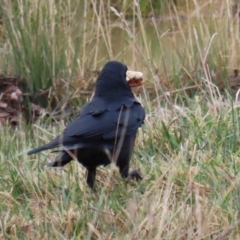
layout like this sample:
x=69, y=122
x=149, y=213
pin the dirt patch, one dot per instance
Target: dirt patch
x=12, y=108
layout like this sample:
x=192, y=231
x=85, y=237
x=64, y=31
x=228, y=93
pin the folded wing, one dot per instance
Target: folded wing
x=97, y=124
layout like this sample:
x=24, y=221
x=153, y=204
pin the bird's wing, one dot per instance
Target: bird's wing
x=94, y=125
x=107, y=124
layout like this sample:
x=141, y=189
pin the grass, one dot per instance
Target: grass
x=190, y=166
x=187, y=150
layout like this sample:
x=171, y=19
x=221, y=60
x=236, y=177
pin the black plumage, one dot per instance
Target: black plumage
x=105, y=129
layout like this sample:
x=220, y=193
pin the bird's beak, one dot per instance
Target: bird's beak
x=134, y=78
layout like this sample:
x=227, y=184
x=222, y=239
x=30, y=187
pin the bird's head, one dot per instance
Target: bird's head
x=116, y=80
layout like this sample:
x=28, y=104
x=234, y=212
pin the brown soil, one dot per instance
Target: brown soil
x=12, y=108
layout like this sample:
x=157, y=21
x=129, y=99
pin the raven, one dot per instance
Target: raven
x=105, y=129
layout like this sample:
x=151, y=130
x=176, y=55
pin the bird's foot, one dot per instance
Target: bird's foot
x=135, y=175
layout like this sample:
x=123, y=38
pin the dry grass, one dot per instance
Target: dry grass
x=187, y=151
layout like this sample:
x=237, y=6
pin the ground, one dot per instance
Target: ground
x=187, y=150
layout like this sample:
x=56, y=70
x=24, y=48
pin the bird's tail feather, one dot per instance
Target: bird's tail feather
x=36, y=150
x=53, y=144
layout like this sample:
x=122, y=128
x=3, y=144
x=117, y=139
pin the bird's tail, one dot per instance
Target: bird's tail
x=36, y=150
x=53, y=144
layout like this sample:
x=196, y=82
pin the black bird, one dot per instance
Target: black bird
x=105, y=129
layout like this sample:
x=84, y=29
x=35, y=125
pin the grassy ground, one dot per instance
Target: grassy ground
x=187, y=151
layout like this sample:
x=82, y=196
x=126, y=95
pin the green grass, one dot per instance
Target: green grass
x=190, y=166
x=187, y=150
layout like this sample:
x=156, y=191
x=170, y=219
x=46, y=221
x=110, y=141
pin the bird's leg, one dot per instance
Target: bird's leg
x=61, y=160
x=91, y=174
x=124, y=160
x=123, y=169
x=129, y=175
x=134, y=174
